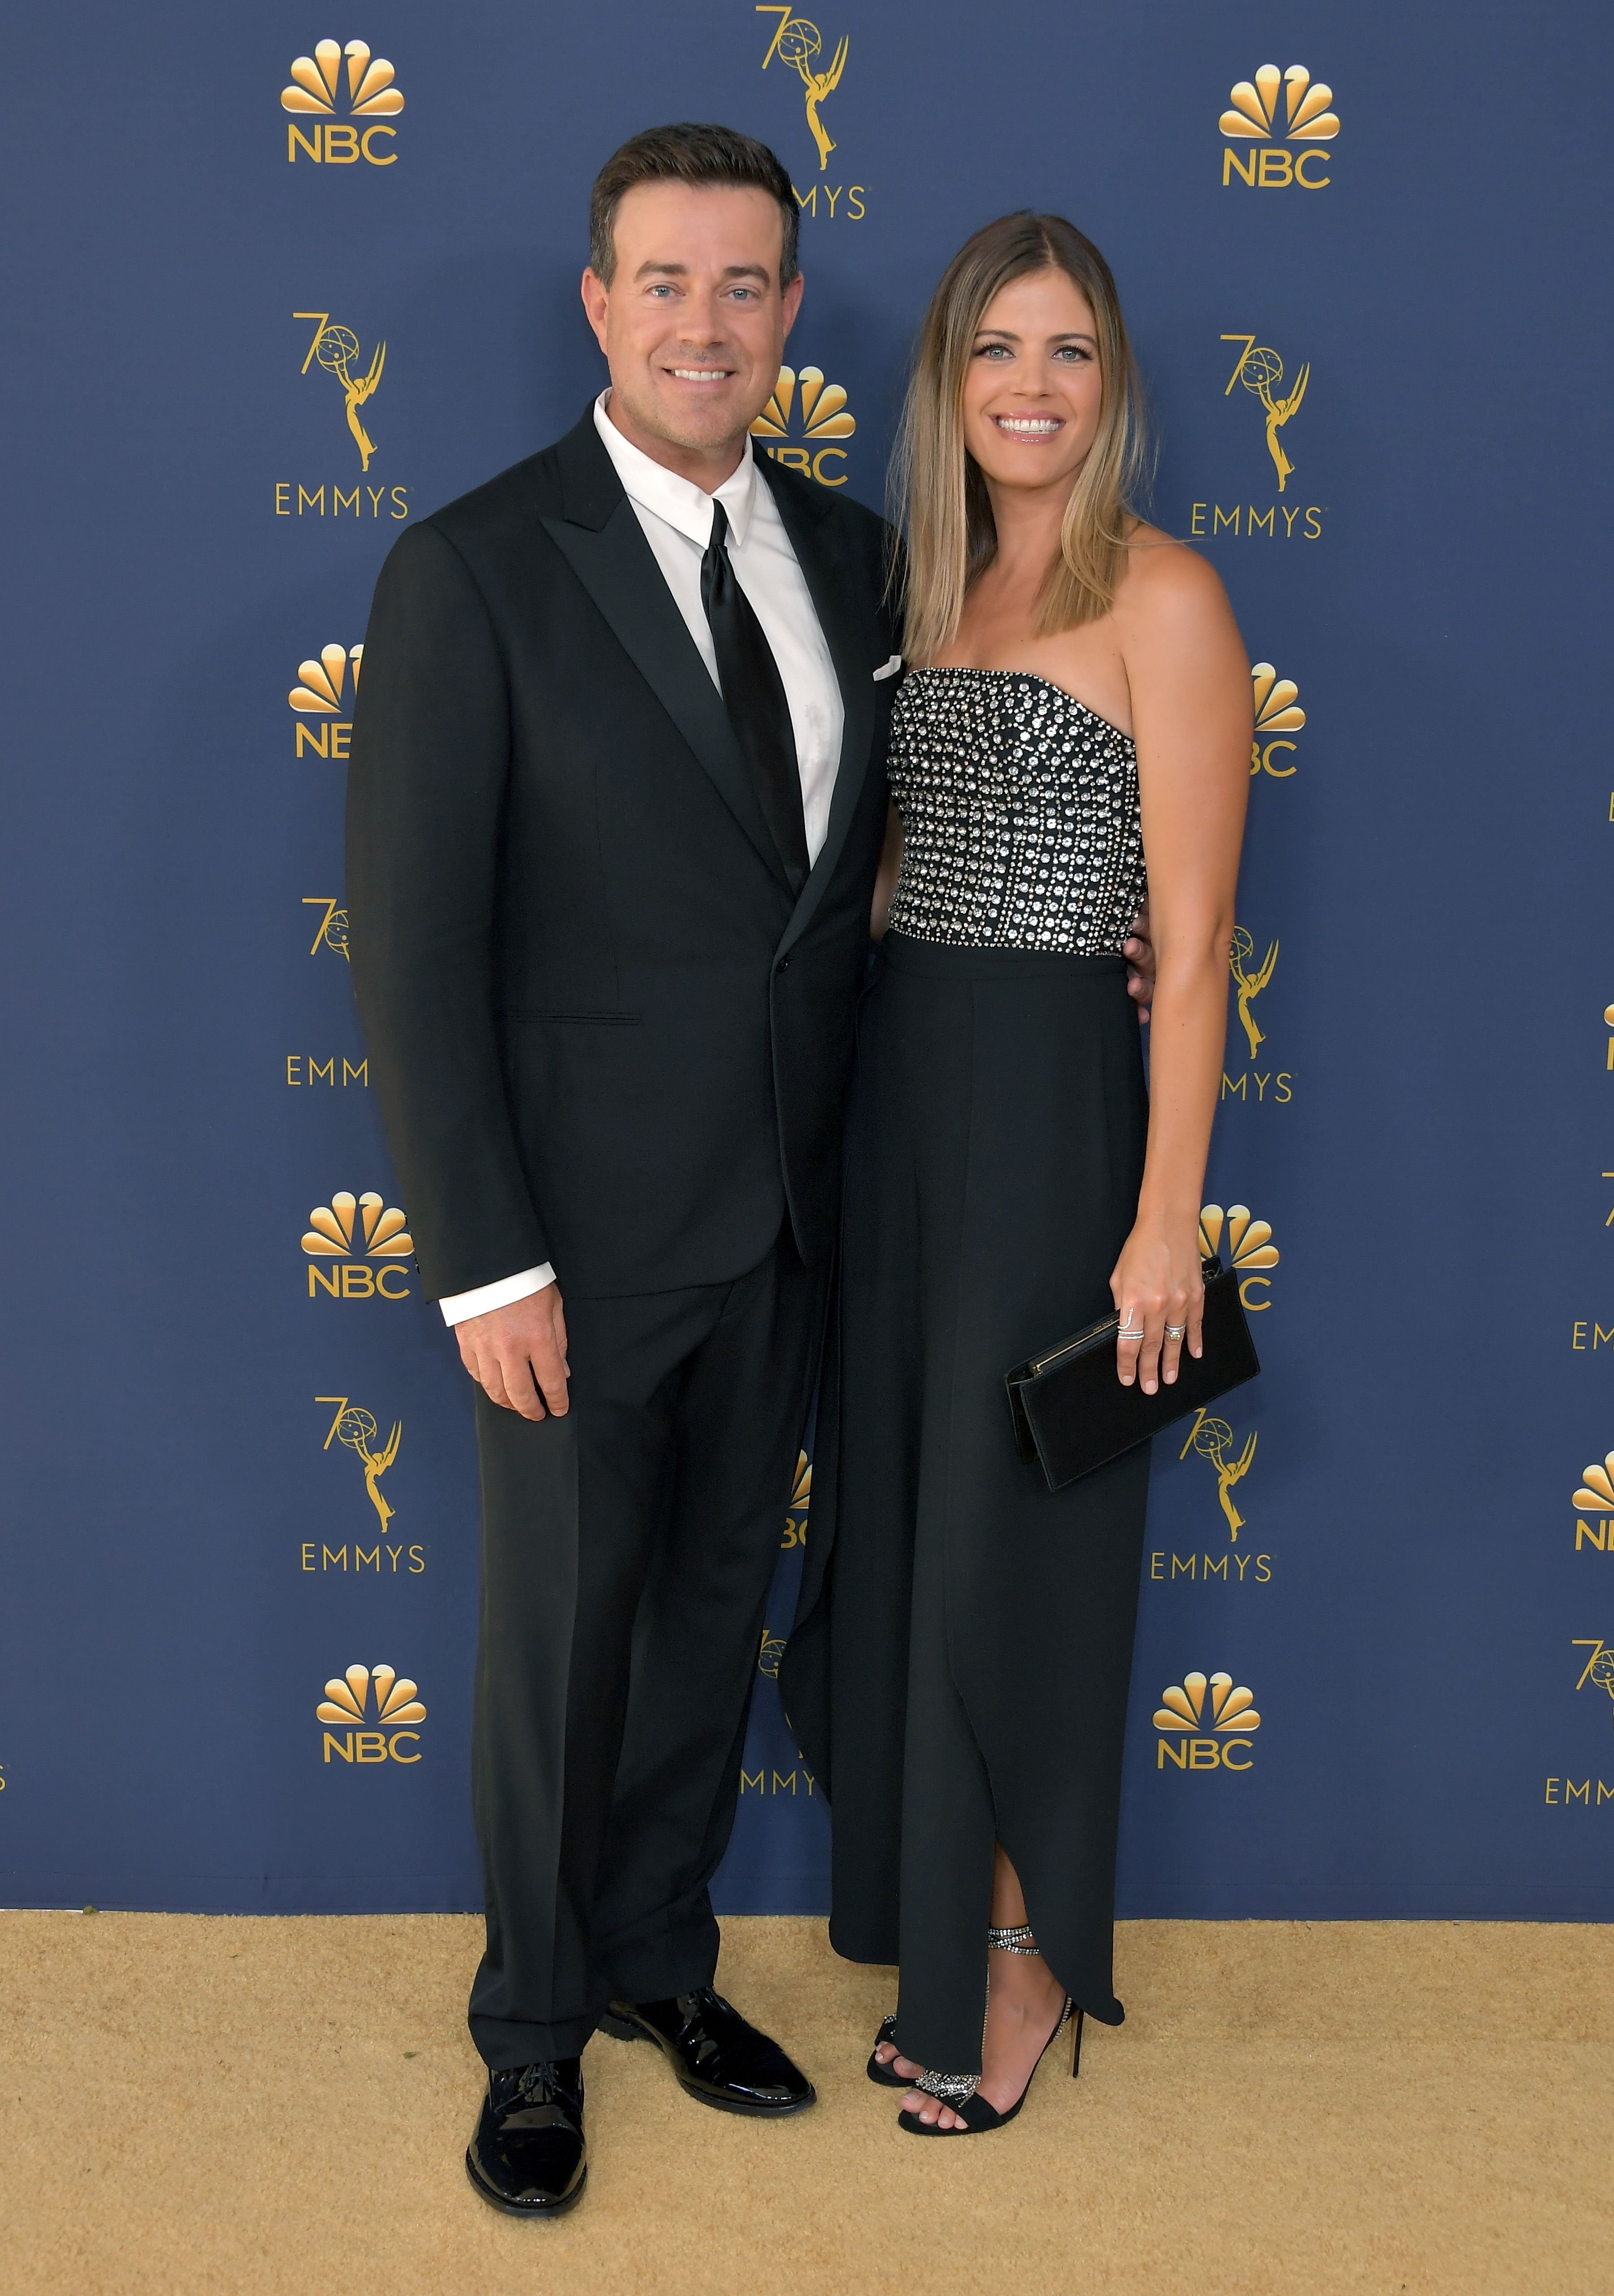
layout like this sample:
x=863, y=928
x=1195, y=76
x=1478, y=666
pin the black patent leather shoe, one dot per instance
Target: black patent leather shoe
x=717, y=2056
x=527, y=2156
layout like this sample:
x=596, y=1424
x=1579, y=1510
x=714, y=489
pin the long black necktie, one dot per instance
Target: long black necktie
x=753, y=693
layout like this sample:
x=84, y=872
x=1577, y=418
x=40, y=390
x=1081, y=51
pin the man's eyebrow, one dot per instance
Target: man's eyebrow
x=656, y=268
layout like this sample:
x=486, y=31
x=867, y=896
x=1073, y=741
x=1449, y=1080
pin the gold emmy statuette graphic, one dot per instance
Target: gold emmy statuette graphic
x=1275, y=698
x=801, y=1500
x=377, y=1233
x=1250, y=1249
x=332, y=930
x=1599, y=1669
x=797, y=42
x=1250, y=984
x=770, y=1655
x=358, y=1431
x=1205, y=1741
x=820, y=408
x=336, y=349
x=1212, y=1438
x=320, y=90
x=1253, y=121
x=1260, y=370
x=347, y=1703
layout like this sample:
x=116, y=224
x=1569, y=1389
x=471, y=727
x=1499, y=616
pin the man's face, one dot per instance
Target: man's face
x=693, y=323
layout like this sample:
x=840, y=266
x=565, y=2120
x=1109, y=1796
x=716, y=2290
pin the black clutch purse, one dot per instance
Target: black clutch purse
x=1071, y=1414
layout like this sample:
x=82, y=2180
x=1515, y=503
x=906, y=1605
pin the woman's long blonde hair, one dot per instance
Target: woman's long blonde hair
x=941, y=495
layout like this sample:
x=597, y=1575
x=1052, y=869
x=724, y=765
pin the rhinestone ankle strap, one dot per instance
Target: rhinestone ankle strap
x=1015, y=1940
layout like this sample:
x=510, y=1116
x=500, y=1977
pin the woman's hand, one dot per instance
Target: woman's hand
x=1159, y=1291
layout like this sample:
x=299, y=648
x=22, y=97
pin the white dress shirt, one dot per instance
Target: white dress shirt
x=677, y=517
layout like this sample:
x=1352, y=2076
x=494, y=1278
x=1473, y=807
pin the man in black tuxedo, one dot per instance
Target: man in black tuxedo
x=616, y=802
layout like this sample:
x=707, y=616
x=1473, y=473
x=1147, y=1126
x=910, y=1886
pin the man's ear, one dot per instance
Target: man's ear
x=792, y=300
x=596, y=302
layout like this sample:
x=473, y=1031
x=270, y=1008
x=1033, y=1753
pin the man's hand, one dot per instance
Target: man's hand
x=517, y=1355
x=1138, y=950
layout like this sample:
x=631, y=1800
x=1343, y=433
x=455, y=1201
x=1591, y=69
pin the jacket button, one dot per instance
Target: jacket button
x=783, y=964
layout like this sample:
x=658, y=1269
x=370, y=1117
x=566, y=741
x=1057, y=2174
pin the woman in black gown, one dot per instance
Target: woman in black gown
x=1075, y=696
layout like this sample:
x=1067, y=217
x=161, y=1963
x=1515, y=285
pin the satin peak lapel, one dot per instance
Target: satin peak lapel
x=605, y=546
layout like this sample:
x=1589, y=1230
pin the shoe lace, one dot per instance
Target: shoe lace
x=525, y=2088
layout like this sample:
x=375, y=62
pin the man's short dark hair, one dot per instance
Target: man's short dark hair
x=688, y=154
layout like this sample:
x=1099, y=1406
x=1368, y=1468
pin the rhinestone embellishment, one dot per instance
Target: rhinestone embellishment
x=1020, y=814
x=950, y=2088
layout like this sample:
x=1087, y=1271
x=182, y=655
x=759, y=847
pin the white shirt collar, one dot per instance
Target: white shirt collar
x=679, y=501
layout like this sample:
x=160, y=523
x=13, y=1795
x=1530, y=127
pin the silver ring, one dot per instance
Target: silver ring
x=1176, y=1331
x=1129, y=1335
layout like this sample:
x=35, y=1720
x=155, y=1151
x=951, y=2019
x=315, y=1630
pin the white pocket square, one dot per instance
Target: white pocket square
x=891, y=668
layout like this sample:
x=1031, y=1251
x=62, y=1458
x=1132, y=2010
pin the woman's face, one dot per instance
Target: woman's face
x=1032, y=389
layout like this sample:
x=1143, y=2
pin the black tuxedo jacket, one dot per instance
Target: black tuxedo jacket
x=601, y=1030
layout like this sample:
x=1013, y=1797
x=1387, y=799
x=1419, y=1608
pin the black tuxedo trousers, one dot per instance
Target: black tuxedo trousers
x=627, y=1554
x=609, y=1027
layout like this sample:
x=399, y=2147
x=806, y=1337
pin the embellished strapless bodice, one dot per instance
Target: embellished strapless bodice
x=1020, y=814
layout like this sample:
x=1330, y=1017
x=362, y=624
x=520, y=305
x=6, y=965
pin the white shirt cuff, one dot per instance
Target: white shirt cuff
x=461, y=1305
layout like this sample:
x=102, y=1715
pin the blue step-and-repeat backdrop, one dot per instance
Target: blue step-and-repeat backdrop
x=285, y=280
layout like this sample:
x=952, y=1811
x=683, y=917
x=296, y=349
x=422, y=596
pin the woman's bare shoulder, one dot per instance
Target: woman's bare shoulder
x=1164, y=578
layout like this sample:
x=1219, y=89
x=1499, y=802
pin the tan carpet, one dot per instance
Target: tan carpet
x=247, y=2105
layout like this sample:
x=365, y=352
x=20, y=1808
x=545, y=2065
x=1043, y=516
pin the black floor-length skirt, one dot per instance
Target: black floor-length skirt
x=961, y=1665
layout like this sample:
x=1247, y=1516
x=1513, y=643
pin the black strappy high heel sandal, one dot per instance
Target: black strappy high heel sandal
x=876, y=2072
x=957, y=2091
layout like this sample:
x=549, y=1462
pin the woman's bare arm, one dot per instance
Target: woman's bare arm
x=1191, y=706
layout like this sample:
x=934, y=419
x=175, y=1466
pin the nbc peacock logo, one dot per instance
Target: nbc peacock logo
x=1206, y=1724
x=326, y=689
x=1277, y=713
x=365, y=90
x=1594, y=1495
x=345, y=1236
x=1250, y=1247
x=801, y=419
x=379, y=1695
x=1267, y=115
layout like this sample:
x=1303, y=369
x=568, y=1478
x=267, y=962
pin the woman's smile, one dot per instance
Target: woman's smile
x=1032, y=429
